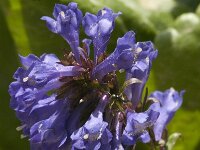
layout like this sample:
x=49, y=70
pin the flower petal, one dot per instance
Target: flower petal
x=94, y=132
x=144, y=55
x=99, y=28
x=121, y=58
x=136, y=126
x=51, y=131
x=51, y=24
x=29, y=93
x=67, y=23
x=170, y=101
x=27, y=61
x=58, y=8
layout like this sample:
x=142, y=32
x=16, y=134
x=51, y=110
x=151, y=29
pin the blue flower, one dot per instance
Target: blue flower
x=50, y=133
x=137, y=126
x=144, y=55
x=99, y=28
x=135, y=58
x=121, y=58
x=29, y=93
x=67, y=23
x=76, y=102
x=170, y=101
x=94, y=133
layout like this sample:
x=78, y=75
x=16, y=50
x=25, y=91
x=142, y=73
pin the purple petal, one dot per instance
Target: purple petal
x=143, y=57
x=170, y=101
x=51, y=24
x=58, y=8
x=145, y=137
x=99, y=28
x=121, y=58
x=89, y=24
x=27, y=61
x=29, y=93
x=136, y=126
x=50, y=131
x=49, y=59
x=94, y=132
x=67, y=23
x=41, y=72
x=74, y=119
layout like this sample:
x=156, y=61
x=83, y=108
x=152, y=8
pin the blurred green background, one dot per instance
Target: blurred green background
x=173, y=25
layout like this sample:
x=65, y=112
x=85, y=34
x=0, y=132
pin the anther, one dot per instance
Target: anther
x=86, y=136
x=62, y=14
x=25, y=79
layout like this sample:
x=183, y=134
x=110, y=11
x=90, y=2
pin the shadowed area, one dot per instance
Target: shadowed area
x=10, y=138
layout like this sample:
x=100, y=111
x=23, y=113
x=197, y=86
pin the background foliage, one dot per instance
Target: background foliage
x=173, y=25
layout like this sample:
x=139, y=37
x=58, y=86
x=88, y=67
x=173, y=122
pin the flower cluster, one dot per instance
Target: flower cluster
x=77, y=102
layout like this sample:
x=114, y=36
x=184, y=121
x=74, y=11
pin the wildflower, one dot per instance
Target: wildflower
x=170, y=101
x=94, y=133
x=76, y=102
x=137, y=126
x=67, y=23
x=99, y=28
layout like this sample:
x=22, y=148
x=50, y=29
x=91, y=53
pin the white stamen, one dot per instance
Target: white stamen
x=147, y=59
x=86, y=136
x=81, y=100
x=114, y=65
x=138, y=50
x=62, y=14
x=25, y=79
x=103, y=12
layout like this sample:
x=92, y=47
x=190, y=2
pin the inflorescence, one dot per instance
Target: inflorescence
x=77, y=102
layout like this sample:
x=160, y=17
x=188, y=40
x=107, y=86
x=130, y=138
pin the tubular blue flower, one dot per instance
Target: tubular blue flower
x=99, y=28
x=135, y=58
x=50, y=133
x=67, y=23
x=29, y=93
x=76, y=102
x=170, y=101
x=94, y=133
x=144, y=56
x=137, y=126
x=44, y=70
x=121, y=58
